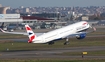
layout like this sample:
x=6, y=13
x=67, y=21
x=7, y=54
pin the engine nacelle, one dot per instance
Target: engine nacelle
x=81, y=36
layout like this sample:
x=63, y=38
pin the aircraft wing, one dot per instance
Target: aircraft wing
x=21, y=33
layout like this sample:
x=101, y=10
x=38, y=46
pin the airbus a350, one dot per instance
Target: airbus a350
x=77, y=29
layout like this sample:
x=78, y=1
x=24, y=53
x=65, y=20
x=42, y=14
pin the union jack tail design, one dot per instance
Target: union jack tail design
x=30, y=33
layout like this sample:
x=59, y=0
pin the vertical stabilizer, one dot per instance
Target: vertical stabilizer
x=30, y=33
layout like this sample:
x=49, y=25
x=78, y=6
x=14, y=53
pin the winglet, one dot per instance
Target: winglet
x=30, y=33
x=94, y=28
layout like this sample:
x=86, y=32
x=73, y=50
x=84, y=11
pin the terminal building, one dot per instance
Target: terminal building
x=10, y=18
x=38, y=22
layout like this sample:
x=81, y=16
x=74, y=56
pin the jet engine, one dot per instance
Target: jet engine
x=81, y=36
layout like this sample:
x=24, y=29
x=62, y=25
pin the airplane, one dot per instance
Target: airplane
x=77, y=29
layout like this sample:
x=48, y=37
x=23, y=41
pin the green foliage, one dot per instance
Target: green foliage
x=88, y=41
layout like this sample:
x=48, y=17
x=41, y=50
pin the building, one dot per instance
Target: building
x=10, y=18
x=84, y=18
x=37, y=22
x=26, y=10
x=3, y=10
x=36, y=19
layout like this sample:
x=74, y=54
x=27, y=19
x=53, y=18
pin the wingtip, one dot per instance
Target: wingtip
x=2, y=30
x=94, y=28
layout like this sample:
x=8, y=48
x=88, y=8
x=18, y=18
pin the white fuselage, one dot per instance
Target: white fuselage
x=62, y=32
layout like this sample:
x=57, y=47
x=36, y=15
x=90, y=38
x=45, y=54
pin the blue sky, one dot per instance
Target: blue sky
x=52, y=3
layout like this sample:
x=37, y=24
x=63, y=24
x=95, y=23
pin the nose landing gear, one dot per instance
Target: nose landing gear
x=67, y=41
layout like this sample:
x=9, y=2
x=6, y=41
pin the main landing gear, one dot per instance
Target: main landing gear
x=51, y=43
x=67, y=41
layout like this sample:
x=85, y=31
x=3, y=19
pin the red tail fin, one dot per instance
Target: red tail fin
x=30, y=33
